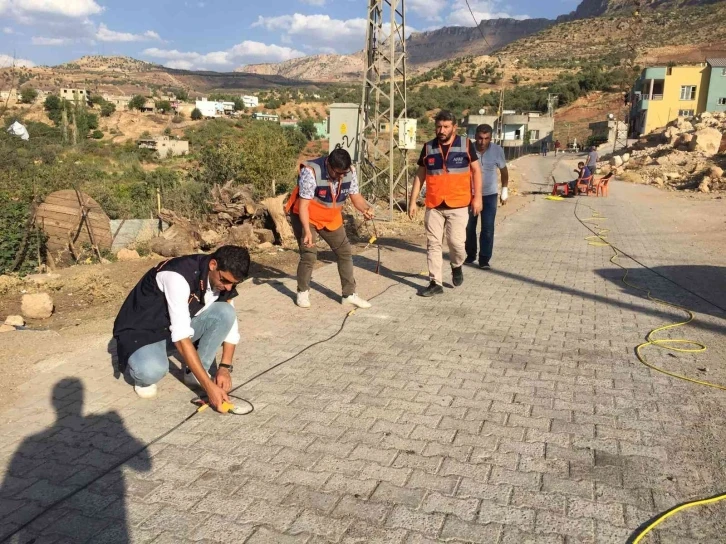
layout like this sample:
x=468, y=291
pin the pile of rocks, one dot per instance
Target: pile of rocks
x=687, y=154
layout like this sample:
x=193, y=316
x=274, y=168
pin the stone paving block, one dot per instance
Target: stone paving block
x=396, y=476
x=549, y=523
x=389, y=493
x=273, y=493
x=529, y=480
x=220, y=529
x=454, y=528
x=363, y=533
x=465, y=509
x=344, y=484
x=405, y=518
x=351, y=507
x=522, y=518
x=265, y=535
x=310, y=522
x=381, y=456
x=264, y=513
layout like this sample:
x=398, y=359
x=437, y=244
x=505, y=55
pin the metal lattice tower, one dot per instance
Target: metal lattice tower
x=383, y=168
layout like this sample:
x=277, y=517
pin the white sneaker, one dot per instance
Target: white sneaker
x=146, y=392
x=355, y=300
x=303, y=299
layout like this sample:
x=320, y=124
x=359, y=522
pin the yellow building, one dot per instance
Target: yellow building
x=663, y=93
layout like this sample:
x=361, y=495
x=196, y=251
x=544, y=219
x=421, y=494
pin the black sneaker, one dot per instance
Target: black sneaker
x=469, y=260
x=433, y=289
x=457, y=276
x=484, y=265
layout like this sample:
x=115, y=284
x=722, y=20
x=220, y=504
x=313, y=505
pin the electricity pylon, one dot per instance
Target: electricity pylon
x=383, y=169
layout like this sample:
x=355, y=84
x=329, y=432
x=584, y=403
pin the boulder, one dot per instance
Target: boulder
x=15, y=321
x=706, y=115
x=616, y=161
x=707, y=141
x=210, y=238
x=625, y=157
x=685, y=139
x=7, y=328
x=265, y=235
x=716, y=172
x=242, y=235
x=265, y=245
x=659, y=182
x=170, y=248
x=127, y=255
x=705, y=185
x=683, y=125
x=37, y=306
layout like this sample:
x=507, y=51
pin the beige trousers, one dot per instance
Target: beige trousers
x=451, y=222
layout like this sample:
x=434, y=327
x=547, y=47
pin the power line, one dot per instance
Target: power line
x=477, y=24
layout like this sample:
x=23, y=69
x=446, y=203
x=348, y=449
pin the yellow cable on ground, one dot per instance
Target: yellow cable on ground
x=599, y=240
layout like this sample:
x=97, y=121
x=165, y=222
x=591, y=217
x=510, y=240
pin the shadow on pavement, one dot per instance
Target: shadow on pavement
x=59, y=463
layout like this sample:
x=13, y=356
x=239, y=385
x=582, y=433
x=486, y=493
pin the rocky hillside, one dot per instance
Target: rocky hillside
x=314, y=68
x=596, y=8
x=98, y=63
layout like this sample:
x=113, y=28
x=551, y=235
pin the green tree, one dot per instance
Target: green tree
x=97, y=100
x=196, y=114
x=28, y=95
x=97, y=134
x=182, y=94
x=307, y=127
x=163, y=105
x=107, y=108
x=137, y=102
x=238, y=104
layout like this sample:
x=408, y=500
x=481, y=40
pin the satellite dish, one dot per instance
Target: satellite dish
x=611, y=116
x=482, y=111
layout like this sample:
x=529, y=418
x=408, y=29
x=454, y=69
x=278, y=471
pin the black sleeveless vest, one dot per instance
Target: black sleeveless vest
x=144, y=316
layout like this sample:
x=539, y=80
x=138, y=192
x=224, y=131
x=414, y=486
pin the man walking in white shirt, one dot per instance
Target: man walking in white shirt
x=491, y=159
x=185, y=300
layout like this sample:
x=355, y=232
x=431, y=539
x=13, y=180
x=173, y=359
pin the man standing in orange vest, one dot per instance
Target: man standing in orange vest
x=315, y=205
x=448, y=165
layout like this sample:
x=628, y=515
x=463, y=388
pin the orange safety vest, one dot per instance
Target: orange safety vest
x=326, y=204
x=448, y=178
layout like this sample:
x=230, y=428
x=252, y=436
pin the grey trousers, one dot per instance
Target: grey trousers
x=338, y=242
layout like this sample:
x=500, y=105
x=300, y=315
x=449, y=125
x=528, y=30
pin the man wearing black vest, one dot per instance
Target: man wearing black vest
x=185, y=300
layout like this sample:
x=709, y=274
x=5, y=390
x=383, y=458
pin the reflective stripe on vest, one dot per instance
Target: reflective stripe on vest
x=325, y=206
x=448, y=178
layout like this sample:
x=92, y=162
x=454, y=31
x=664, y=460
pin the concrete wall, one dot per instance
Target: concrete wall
x=545, y=125
x=716, y=89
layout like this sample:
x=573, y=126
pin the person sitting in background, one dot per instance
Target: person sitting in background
x=583, y=172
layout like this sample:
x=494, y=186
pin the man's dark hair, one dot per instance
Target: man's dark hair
x=445, y=115
x=484, y=129
x=580, y=164
x=339, y=159
x=233, y=259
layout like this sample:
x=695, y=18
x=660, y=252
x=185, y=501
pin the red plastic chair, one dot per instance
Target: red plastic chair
x=583, y=185
x=601, y=187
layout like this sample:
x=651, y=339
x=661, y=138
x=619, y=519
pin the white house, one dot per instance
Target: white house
x=210, y=108
x=250, y=101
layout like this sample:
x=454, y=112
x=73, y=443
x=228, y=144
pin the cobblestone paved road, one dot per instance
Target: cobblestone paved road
x=510, y=410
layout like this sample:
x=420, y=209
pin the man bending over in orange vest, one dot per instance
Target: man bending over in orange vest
x=315, y=205
x=449, y=166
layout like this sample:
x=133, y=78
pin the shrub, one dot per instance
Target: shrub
x=196, y=114
x=97, y=134
x=28, y=95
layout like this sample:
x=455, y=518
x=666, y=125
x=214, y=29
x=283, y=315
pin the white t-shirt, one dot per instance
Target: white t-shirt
x=176, y=290
x=491, y=161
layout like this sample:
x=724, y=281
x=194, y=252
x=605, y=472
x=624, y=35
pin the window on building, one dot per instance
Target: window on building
x=669, y=71
x=722, y=101
x=534, y=135
x=685, y=113
x=723, y=71
x=688, y=92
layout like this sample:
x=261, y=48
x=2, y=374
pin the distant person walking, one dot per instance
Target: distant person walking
x=558, y=147
x=491, y=160
x=543, y=148
x=449, y=166
x=592, y=158
x=323, y=186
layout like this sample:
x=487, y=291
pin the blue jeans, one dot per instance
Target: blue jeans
x=149, y=364
x=486, y=238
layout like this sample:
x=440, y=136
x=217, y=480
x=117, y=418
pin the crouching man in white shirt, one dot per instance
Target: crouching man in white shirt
x=185, y=300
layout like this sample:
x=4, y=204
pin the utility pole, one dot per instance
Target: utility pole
x=383, y=166
x=635, y=30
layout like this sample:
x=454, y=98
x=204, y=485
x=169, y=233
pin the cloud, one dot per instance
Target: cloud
x=428, y=9
x=8, y=30
x=314, y=2
x=320, y=32
x=483, y=10
x=39, y=40
x=7, y=60
x=105, y=34
x=247, y=52
x=26, y=9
